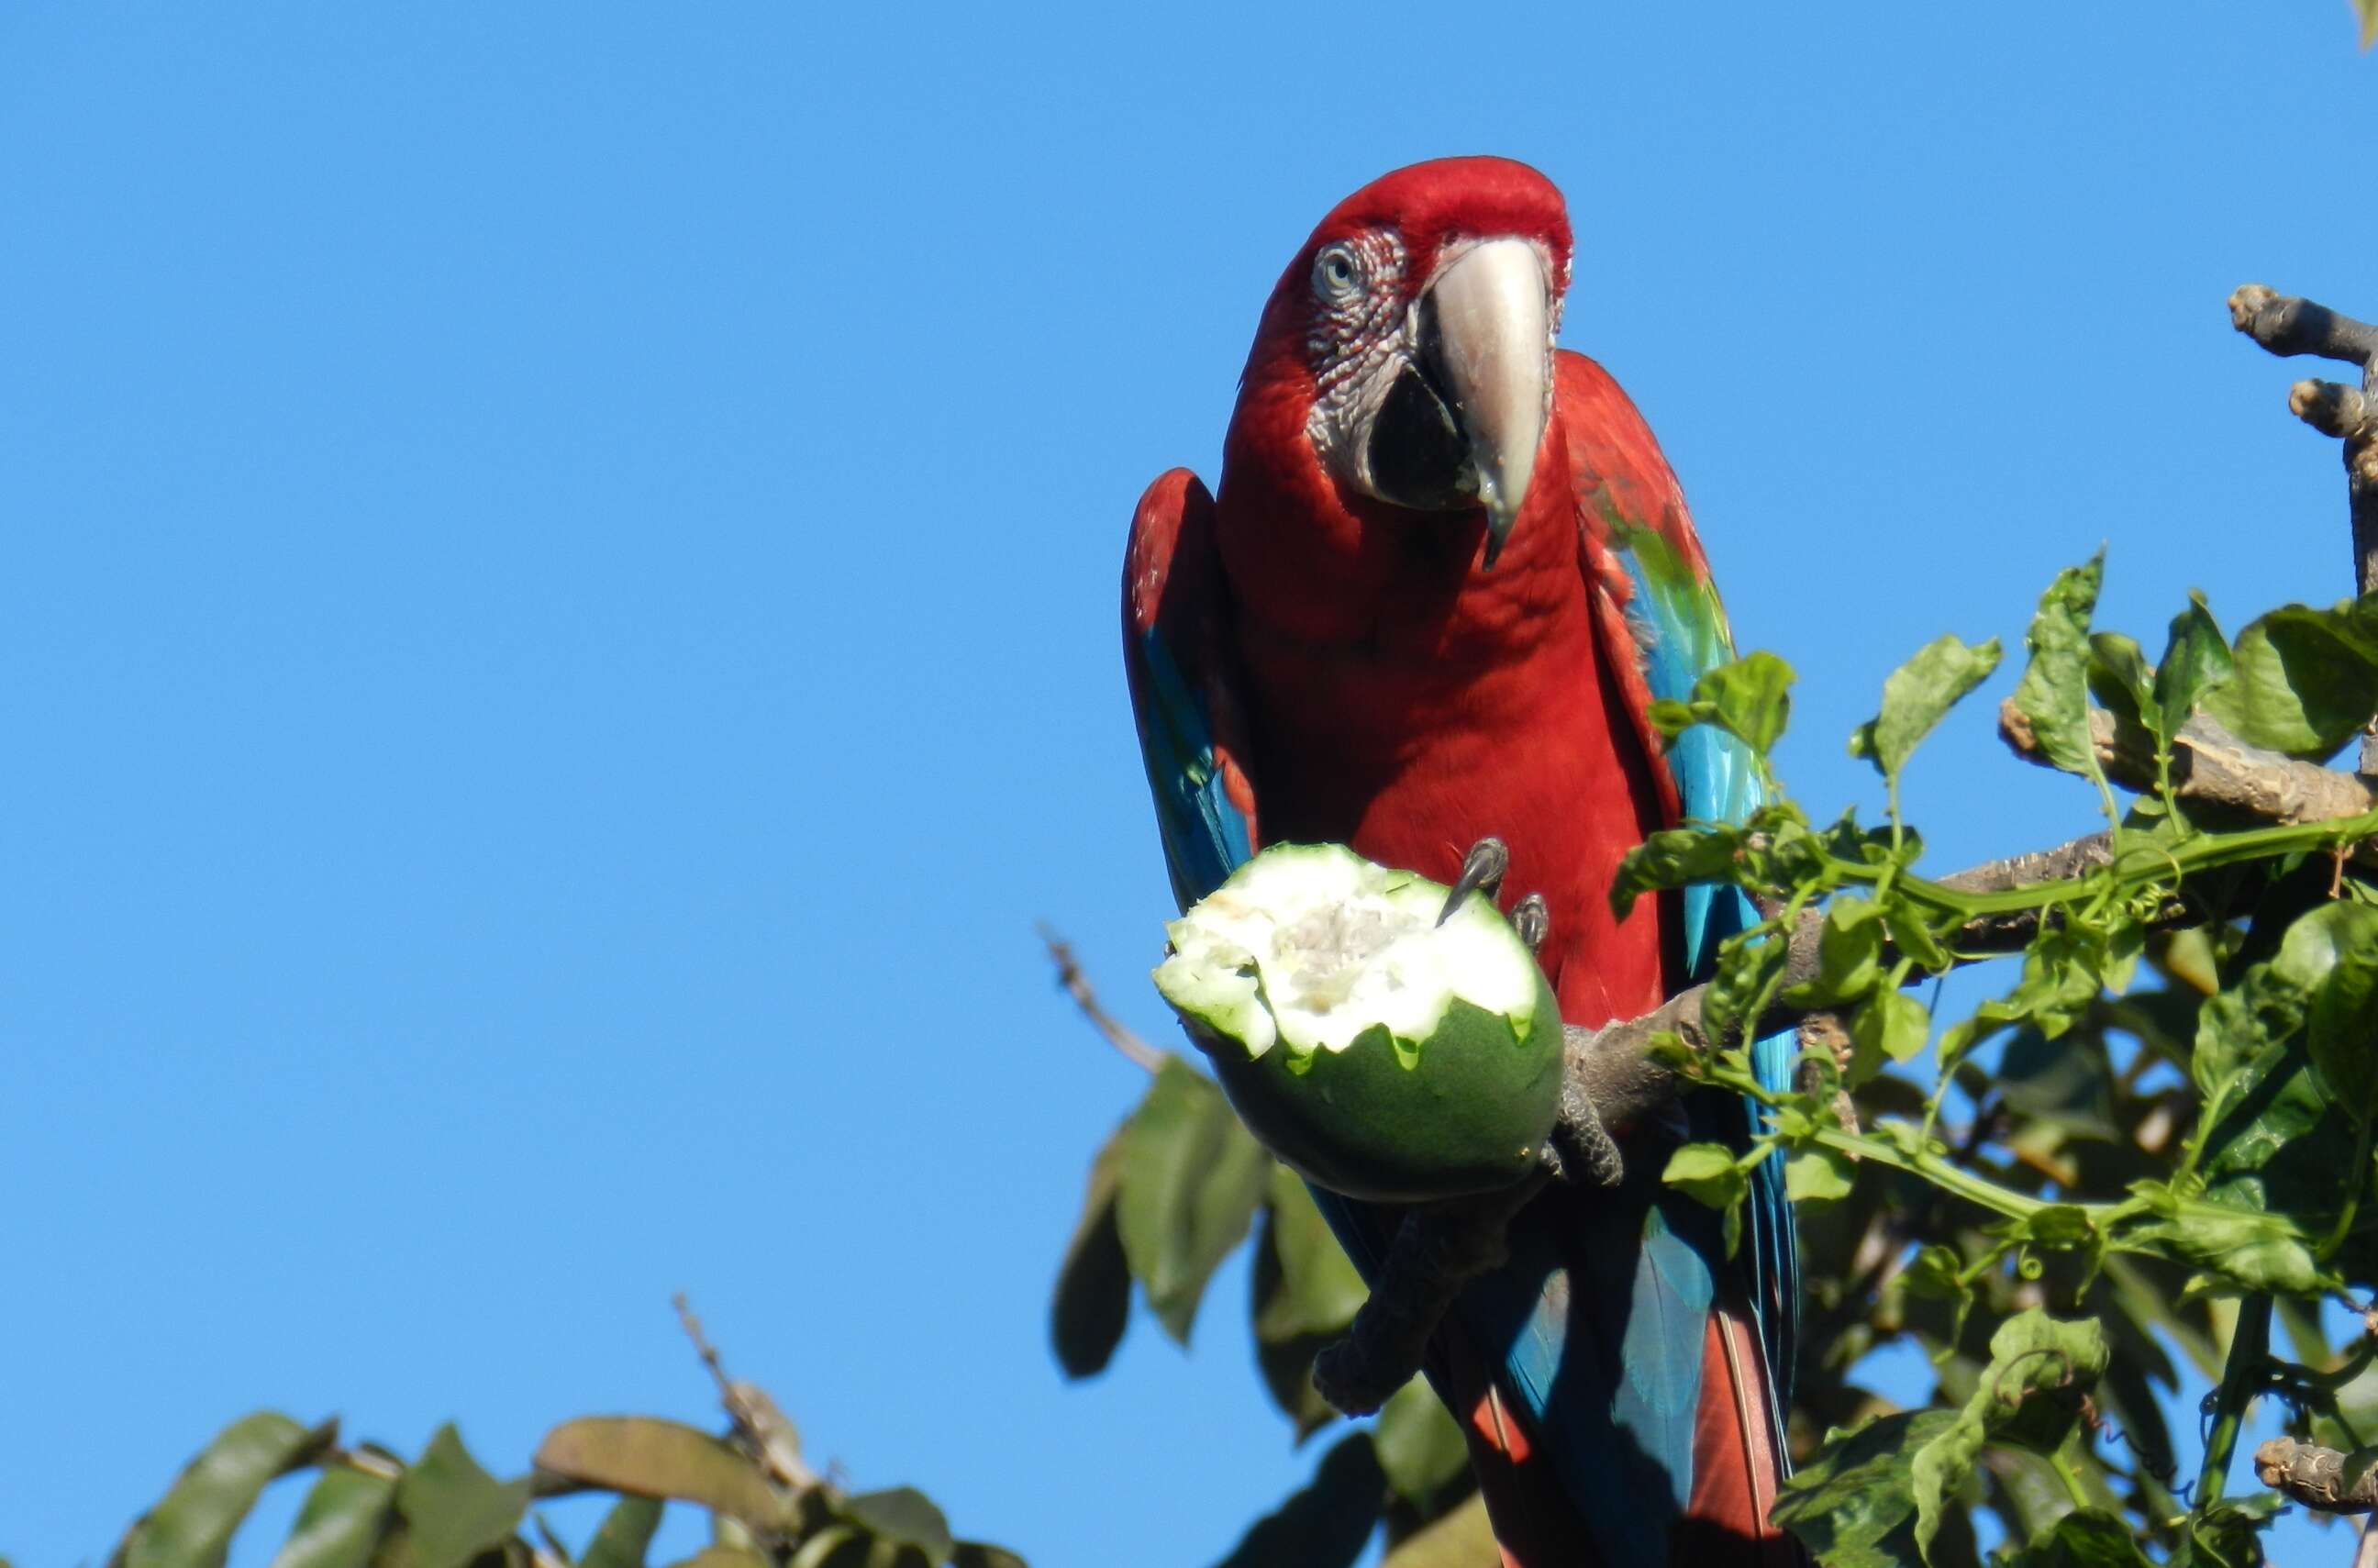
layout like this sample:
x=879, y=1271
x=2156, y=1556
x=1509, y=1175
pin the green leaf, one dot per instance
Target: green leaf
x=1918, y=694
x=452, y=1509
x=2195, y=662
x=1750, y=698
x=1749, y=963
x=651, y=1457
x=1190, y=1179
x=1913, y=937
x=1888, y=1024
x=903, y=1515
x=1709, y=1172
x=1819, y=1176
x=1328, y=1523
x=2234, y=1025
x=339, y=1523
x=2119, y=679
x=1419, y=1447
x=2062, y=1086
x=1849, y=951
x=836, y=1546
x=1305, y=1294
x=1933, y=1273
x=2224, y=1535
x=1092, y=1305
x=1853, y=1504
x=2305, y=680
x=2086, y=1538
x=2058, y=1226
x=978, y=1554
x=2031, y=1396
x=625, y=1535
x=192, y=1525
x=2338, y=943
x=2246, y=1249
x=1671, y=718
x=2054, y=692
x=2368, y=11
x=1673, y=856
x=1463, y=1538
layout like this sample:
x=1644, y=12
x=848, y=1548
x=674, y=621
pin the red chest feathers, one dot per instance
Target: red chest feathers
x=1414, y=741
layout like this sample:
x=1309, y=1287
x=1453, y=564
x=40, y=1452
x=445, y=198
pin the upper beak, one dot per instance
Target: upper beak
x=1486, y=325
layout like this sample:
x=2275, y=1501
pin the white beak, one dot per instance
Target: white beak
x=1493, y=310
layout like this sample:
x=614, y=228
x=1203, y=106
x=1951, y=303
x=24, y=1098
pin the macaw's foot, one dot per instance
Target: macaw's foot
x=1582, y=1149
x=1532, y=919
x=1438, y=1249
x=1482, y=871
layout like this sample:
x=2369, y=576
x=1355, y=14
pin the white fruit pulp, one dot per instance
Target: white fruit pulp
x=1312, y=946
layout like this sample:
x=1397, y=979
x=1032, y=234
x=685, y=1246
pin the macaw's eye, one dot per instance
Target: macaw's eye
x=1337, y=272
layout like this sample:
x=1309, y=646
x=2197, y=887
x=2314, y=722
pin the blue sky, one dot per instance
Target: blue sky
x=559, y=629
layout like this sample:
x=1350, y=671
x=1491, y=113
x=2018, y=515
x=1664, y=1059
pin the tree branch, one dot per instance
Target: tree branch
x=2215, y=771
x=2287, y=326
x=2312, y=1475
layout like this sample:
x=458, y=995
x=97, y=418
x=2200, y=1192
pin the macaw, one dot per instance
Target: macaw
x=1448, y=572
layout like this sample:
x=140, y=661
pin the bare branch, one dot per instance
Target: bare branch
x=2331, y=409
x=2212, y=768
x=2289, y=326
x=1119, y=1034
x=2310, y=1475
x=1610, y=1066
x=2286, y=325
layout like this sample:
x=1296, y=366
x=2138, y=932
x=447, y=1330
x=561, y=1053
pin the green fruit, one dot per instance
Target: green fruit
x=1381, y=1055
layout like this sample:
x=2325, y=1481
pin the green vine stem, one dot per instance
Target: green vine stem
x=2203, y=852
x=2242, y=1378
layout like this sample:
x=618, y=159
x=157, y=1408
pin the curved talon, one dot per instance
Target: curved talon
x=1482, y=870
x=1532, y=919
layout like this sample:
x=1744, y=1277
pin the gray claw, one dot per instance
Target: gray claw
x=1532, y=919
x=1482, y=870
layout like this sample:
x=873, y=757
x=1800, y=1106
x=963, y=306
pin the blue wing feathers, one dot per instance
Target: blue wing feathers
x=1717, y=781
x=1204, y=835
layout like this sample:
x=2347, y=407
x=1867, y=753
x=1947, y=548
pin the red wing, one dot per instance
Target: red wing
x=1177, y=655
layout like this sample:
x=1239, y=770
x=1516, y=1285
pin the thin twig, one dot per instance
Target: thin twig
x=758, y=1420
x=1077, y=986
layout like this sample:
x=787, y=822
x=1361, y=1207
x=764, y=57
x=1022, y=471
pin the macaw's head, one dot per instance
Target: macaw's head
x=1405, y=356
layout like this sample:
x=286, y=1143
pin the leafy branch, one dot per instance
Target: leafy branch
x=368, y=1508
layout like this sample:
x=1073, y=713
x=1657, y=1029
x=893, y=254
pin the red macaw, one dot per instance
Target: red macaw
x=1447, y=573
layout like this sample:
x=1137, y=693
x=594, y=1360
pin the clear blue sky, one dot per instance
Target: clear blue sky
x=559, y=629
